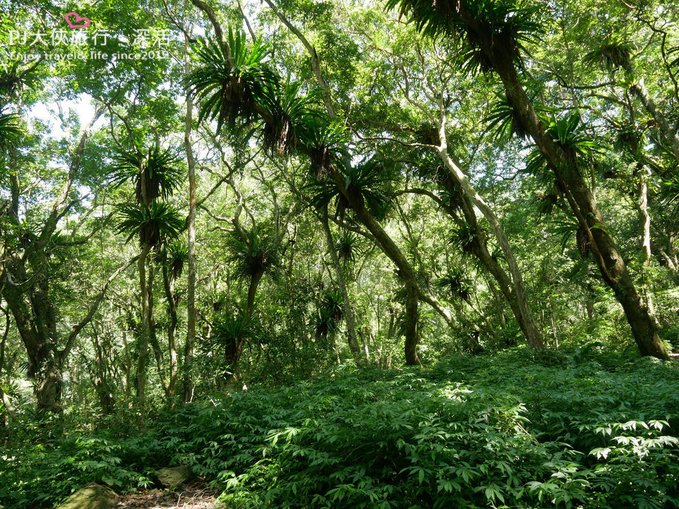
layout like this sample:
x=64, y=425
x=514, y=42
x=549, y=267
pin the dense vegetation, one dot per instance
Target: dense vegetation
x=516, y=430
x=348, y=253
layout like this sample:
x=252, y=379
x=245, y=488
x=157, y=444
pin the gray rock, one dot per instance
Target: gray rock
x=173, y=477
x=93, y=496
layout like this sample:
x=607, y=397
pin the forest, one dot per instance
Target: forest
x=339, y=254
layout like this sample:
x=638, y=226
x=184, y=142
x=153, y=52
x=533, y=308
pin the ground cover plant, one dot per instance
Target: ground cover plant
x=340, y=253
x=577, y=430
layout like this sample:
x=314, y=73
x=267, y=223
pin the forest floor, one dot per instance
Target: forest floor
x=581, y=427
x=195, y=495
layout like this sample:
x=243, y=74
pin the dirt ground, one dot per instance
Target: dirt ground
x=194, y=495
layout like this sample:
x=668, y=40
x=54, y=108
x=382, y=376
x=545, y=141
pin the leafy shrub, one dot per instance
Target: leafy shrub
x=37, y=475
x=581, y=428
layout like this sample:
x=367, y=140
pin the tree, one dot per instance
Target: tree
x=27, y=277
x=154, y=174
x=495, y=34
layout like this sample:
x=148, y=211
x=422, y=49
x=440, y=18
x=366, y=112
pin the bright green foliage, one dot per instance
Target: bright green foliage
x=348, y=246
x=290, y=117
x=567, y=131
x=323, y=143
x=177, y=255
x=41, y=474
x=670, y=196
x=253, y=251
x=154, y=173
x=503, y=121
x=10, y=130
x=231, y=78
x=372, y=180
x=230, y=329
x=611, y=55
x=510, y=24
x=151, y=224
x=580, y=430
x=472, y=433
x=326, y=137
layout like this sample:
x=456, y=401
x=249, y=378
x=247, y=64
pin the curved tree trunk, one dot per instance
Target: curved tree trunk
x=35, y=319
x=563, y=163
x=645, y=219
x=30, y=299
x=389, y=248
x=479, y=248
x=666, y=131
x=191, y=259
x=405, y=271
x=512, y=288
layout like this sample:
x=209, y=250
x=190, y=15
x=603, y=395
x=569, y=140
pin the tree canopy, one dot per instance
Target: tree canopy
x=203, y=197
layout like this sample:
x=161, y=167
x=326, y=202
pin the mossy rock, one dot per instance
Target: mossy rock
x=172, y=477
x=93, y=496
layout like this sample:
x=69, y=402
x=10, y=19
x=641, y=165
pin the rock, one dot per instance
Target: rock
x=173, y=477
x=93, y=496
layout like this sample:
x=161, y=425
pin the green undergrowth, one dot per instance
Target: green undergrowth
x=582, y=429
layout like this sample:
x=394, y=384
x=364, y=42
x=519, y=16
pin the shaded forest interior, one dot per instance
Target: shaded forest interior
x=348, y=253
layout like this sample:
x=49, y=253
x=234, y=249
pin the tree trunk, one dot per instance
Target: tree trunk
x=101, y=382
x=3, y=344
x=191, y=280
x=364, y=333
x=391, y=250
x=232, y=354
x=35, y=321
x=171, y=298
x=127, y=367
x=153, y=337
x=29, y=298
x=563, y=162
x=234, y=348
x=411, y=329
x=590, y=297
x=479, y=249
x=667, y=133
x=512, y=288
x=30, y=301
x=48, y=388
x=341, y=281
x=252, y=294
x=386, y=243
x=669, y=261
x=644, y=216
x=144, y=337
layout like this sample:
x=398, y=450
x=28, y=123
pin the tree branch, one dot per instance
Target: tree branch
x=315, y=61
x=70, y=341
